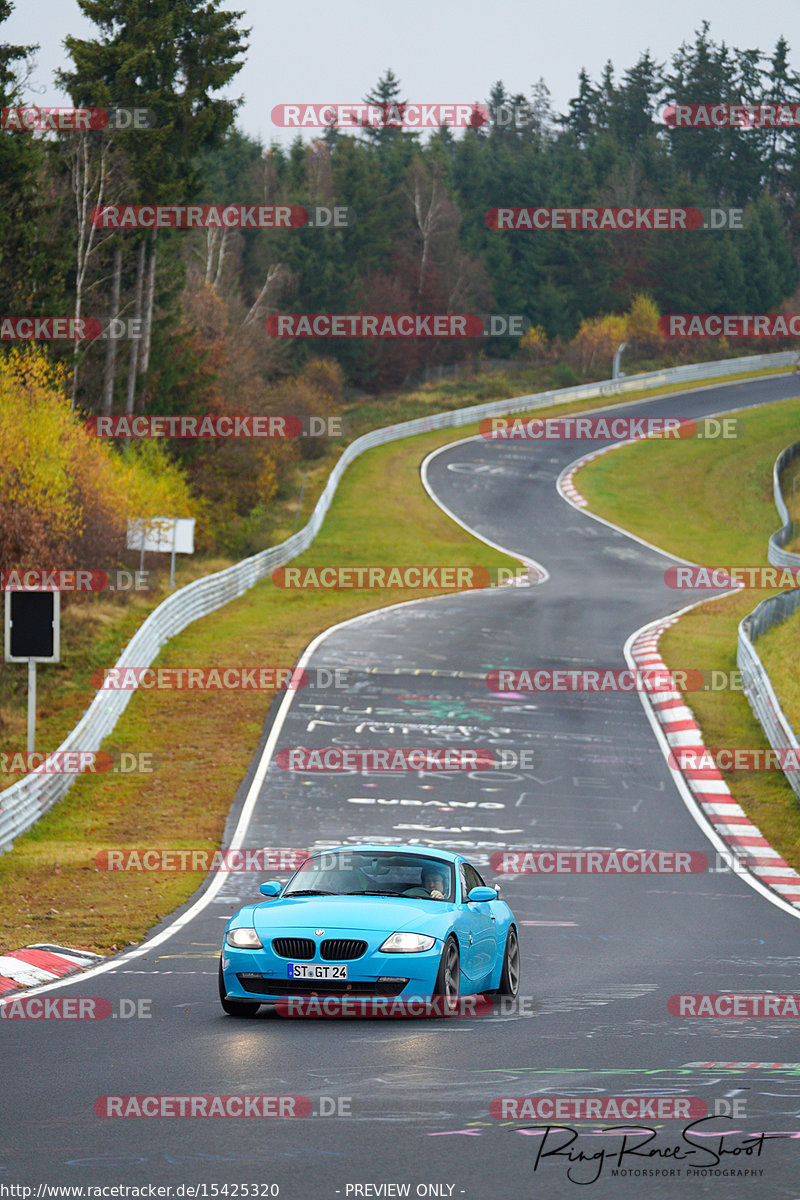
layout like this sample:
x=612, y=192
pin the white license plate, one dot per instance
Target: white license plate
x=315, y=971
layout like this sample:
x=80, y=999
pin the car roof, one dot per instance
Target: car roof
x=444, y=855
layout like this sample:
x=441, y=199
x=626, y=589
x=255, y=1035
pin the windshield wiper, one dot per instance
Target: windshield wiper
x=372, y=892
x=310, y=892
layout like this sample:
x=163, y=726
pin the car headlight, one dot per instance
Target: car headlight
x=244, y=938
x=407, y=943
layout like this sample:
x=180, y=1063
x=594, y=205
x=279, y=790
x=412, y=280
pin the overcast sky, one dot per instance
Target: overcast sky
x=442, y=51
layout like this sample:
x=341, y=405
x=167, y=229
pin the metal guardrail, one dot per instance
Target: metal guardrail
x=24, y=802
x=757, y=683
x=775, y=551
x=772, y=611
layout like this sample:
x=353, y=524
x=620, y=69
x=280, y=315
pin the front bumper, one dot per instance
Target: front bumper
x=263, y=975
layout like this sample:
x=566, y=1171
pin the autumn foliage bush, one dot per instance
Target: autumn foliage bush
x=317, y=391
x=534, y=344
x=597, y=338
x=66, y=495
x=239, y=483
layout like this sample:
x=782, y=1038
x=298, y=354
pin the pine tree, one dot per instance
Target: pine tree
x=581, y=121
x=703, y=73
x=24, y=273
x=635, y=101
x=762, y=291
x=169, y=58
x=782, y=88
x=729, y=275
x=779, y=246
x=386, y=97
x=606, y=98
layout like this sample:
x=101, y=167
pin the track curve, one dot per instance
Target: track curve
x=601, y=956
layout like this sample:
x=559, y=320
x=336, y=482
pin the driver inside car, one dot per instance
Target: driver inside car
x=433, y=880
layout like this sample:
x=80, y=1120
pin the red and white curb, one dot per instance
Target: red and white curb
x=566, y=483
x=568, y=487
x=711, y=793
x=34, y=965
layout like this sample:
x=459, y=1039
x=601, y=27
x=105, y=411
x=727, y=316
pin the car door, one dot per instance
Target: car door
x=482, y=927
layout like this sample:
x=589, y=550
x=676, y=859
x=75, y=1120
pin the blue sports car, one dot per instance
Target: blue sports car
x=371, y=921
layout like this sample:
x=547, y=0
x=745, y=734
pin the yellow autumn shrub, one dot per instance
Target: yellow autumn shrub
x=66, y=495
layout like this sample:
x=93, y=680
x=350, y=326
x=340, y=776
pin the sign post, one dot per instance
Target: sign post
x=32, y=634
x=169, y=535
x=31, y=705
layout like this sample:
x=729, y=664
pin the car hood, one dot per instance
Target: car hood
x=353, y=913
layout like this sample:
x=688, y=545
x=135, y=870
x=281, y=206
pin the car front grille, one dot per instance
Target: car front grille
x=337, y=949
x=298, y=948
x=264, y=986
x=331, y=949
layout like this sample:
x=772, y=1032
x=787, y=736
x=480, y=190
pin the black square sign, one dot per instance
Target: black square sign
x=32, y=625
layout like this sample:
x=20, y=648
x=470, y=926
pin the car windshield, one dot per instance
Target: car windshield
x=373, y=873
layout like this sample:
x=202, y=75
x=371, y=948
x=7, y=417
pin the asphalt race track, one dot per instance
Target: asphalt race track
x=601, y=954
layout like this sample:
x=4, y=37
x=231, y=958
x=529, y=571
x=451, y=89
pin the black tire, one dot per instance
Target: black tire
x=448, y=980
x=234, y=1008
x=509, y=977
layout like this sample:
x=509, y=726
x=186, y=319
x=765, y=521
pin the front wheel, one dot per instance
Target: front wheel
x=448, y=980
x=234, y=1008
x=509, y=978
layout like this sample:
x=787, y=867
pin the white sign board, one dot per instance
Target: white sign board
x=165, y=534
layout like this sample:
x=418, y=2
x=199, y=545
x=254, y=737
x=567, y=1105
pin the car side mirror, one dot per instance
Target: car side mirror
x=482, y=895
x=272, y=888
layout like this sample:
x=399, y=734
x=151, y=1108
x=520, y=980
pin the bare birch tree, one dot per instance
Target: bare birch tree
x=277, y=275
x=133, y=360
x=89, y=170
x=433, y=210
x=110, y=364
